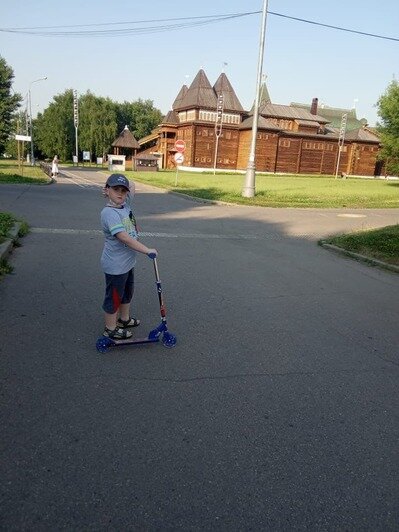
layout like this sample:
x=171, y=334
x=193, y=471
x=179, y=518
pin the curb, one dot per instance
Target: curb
x=361, y=258
x=7, y=246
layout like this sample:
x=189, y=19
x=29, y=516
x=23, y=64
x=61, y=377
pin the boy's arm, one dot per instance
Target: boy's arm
x=124, y=237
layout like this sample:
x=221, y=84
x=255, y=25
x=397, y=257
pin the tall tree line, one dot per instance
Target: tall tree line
x=100, y=122
x=9, y=104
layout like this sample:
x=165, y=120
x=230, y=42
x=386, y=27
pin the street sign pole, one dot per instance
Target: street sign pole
x=179, y=159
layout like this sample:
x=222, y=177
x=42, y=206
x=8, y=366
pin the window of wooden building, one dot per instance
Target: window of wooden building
x=284, y=143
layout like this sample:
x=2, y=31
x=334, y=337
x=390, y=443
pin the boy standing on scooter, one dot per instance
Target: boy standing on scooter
x=119, y=257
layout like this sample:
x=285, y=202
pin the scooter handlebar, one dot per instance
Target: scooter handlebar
x=152, y=256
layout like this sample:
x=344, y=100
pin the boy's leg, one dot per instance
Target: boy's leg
x=125, y=320
x=110, y=320
x=114, y=295
x=124, y=311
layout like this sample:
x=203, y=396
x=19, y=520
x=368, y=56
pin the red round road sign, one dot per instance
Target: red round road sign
x=180, y=145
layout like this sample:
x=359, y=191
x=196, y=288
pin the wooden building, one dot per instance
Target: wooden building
x=126, y=144
x=290, y=139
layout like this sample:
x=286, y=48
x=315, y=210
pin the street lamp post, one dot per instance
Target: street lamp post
x=248, y=190
x=32, y=158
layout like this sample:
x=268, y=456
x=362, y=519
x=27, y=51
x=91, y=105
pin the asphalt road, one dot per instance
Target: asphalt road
x=277, y=409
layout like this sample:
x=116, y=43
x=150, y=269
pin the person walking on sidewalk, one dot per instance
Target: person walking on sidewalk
x=119, y=257
x=54, y=166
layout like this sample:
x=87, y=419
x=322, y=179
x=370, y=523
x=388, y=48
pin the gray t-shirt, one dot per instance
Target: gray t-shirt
x=117, y=258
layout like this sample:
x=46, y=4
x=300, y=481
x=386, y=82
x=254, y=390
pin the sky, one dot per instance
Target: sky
x=301, y=60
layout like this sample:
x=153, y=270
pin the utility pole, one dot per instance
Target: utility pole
x=248, y=190
x=218, y=127
x=341, y=141
x=76, y=122
x=32, y=157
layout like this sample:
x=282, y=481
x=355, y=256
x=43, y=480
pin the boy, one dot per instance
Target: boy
x=119, y=258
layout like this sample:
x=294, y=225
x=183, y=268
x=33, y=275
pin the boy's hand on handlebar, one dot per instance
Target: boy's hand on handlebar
x=152, y=253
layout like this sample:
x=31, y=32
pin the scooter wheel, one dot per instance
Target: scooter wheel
x=169, y=340
x=103, y=344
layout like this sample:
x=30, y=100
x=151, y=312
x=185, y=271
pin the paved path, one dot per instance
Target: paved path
x=277, y=410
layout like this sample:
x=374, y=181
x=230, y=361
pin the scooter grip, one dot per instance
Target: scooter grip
x=152, y=255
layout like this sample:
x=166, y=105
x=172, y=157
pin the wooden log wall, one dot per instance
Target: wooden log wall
x=275, y=152
x=363, y=159
x=205, y=146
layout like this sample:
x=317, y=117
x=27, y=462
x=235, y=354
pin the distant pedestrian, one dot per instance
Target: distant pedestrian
x=54, y=166
x=119, y=257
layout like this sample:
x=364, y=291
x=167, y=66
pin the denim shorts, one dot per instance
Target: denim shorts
x=119, y=290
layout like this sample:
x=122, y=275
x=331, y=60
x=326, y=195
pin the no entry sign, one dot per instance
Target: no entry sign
x=180, y=146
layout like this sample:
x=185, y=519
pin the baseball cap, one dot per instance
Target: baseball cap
x=115, y=180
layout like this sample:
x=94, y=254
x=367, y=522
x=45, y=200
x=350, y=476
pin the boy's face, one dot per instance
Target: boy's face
x=117, y=194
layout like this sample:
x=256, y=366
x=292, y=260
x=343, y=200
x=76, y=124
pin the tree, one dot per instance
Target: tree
x=100, y=121
x=9, y=103
x=388, y=111
x=97, y=124
x=141, y=116
x=54, y=128
x=19, y=125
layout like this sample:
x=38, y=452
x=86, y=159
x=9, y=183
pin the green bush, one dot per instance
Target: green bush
x=6, y=223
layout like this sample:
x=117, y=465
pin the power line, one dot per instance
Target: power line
x=125, y=31
x=336, y=27
x=136, y=21
x=185, y=22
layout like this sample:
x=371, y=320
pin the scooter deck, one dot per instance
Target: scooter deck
x=104, y=343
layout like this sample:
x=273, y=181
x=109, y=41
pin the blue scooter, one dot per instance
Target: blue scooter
x=168, y=339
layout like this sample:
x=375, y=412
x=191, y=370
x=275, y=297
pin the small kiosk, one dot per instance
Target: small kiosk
x=145, y=163
x=116, y=162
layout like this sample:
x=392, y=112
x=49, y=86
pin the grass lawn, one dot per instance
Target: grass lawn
x=10, y=172
x=6, y=223
x=381, y=244
x=280, y=191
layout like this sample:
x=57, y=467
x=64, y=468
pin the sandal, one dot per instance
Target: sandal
x=117, y=333
x=131, y=322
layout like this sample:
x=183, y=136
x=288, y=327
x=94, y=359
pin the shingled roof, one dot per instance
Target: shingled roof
x=362, y=134
x=334, y=115
x=264, y=97
x=180, y=97
x=171, y=118
x=199, y=94
x=263, y=123
x=126, y=140
x=230, y=100
x=287, y=111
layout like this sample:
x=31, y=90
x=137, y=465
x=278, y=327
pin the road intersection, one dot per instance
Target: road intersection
x=277, y=409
